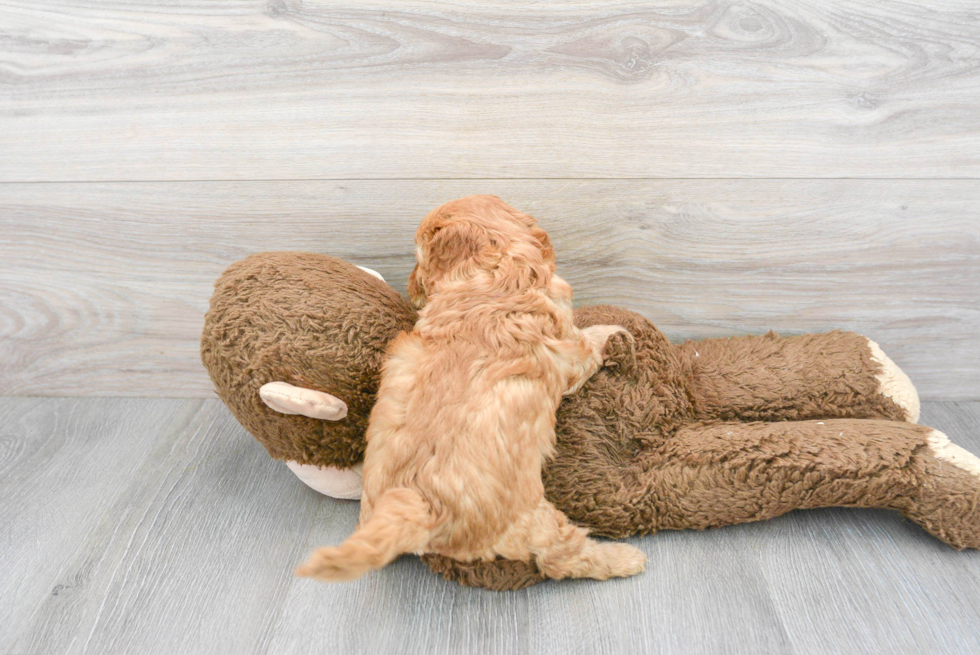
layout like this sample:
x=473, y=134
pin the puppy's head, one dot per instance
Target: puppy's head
x=479, y=234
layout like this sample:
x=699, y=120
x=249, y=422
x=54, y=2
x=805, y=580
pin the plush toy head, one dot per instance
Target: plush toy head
x=311, y=321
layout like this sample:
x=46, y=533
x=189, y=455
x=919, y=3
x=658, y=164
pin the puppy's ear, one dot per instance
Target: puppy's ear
x=547, y=251
x=459, y=248
x=450, y=250
x=416, y=289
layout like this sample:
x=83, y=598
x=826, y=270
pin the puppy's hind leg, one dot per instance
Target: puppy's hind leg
x=563, y=550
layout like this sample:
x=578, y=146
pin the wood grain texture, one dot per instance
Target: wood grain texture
x=103, y=287
x=64, y=465
x=183, y=548
x=159, y=526
x=282, y=89
x=659, y=615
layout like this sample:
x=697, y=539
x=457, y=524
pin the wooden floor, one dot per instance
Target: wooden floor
x=160, y=526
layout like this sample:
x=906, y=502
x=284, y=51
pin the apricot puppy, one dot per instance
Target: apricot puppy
x=465, y=412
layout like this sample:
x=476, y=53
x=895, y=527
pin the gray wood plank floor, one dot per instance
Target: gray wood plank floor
x=160, y=526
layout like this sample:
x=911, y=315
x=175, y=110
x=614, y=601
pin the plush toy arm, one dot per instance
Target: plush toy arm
x=811, y=376
x=610, y=340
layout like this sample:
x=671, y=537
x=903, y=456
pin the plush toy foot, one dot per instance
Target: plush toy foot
x=948, y=501
x=894, y=384
x=288, y=399
x=330, y=481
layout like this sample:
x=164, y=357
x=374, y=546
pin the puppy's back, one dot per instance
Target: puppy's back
x=467, y=430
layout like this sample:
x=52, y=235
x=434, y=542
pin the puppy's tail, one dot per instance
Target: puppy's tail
x=399, y=524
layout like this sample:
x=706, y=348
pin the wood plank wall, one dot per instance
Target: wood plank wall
x=722, y=167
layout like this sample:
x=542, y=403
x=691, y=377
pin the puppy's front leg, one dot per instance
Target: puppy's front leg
x=598, y=335
x=585, y=359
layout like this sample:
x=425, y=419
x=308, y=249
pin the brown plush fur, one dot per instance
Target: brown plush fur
x=465, y=414
x=664, y=437
x=315, y=322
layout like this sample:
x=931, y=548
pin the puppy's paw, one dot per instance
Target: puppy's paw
x=598, y=335
x=620, y=352
x=622, y=560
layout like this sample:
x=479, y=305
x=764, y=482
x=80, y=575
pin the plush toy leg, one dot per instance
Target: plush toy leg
x=769, y=378
x=948, y=503
x=711, y=475
x=723, y=473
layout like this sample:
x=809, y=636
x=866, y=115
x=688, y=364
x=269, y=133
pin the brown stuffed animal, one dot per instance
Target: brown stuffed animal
x=696, y=435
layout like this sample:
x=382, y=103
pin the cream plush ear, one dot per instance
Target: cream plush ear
x=288, y=399
x=371, y=271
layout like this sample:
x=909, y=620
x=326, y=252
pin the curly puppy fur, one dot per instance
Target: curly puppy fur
x=465, y=414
